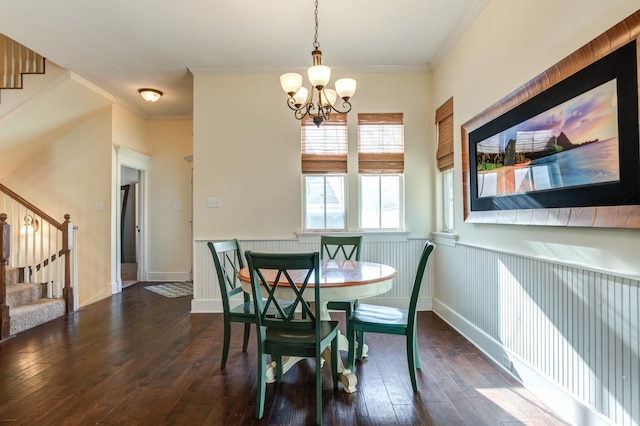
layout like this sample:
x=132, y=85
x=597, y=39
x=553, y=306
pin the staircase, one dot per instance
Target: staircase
x=17, y=60
x=38, y=272
x=27, y=307
x=38, y=275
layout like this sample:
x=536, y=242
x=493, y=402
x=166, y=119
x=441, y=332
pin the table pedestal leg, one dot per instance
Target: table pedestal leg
x=347, y=377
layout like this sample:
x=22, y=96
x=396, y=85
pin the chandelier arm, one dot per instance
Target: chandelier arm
x=346, y=105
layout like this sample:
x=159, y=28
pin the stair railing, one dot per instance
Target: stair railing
x=5, y=250
x=17, y=60
x=40, y=247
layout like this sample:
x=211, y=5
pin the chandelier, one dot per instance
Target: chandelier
x=318, y=101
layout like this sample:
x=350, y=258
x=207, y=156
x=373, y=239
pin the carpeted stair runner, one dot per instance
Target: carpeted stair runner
x=27, y=308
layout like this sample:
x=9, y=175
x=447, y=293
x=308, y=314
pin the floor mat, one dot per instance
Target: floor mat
x=172, y=289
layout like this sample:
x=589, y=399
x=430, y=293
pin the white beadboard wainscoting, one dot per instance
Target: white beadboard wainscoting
x=569, y=333
x=402, y=255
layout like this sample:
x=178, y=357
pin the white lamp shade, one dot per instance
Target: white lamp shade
x=301, y=96
x=346, y=87
x=290, y=82
x=330, y=96
x=150, y=95
x=319, y=75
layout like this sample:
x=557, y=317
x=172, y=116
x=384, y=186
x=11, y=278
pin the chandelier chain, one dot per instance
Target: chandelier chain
x=316, y=44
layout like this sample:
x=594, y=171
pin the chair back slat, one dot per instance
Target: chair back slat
x=227, y=258
x=295, y=272
x=344, y=248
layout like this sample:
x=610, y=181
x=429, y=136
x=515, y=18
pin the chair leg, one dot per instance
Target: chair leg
x=318, y=390
x=225, y=344
x=278, y=368
x=351, y=337
x=416, y=353
x=334, y=362
x=247, y=330
x=360, y=338
x=261, y=385
x=411, y=359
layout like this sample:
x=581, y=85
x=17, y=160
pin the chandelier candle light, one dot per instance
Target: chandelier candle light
x=317, y=101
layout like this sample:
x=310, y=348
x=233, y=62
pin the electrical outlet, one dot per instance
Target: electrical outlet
x=214, y=202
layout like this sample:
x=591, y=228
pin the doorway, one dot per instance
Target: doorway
x=129, y=226
x=129, y=216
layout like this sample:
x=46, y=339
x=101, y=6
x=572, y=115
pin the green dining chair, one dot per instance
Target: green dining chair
x=347, y=248
x=388, y=320
x=228, y=260
x=290, y=333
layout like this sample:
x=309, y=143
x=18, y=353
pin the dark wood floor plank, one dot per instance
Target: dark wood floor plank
x=138, y=358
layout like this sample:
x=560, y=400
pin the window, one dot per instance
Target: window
x=324, y=168
x=447, y=195
x=381, y=168
x=444, y=157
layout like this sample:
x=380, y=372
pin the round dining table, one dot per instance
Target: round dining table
x=339, y=280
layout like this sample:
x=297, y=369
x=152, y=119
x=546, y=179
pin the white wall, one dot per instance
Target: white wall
x=560, y=303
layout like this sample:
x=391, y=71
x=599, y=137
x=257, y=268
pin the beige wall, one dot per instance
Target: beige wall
x=169, y=201
x=509, y=44
x=247, y=151
x=71, y=175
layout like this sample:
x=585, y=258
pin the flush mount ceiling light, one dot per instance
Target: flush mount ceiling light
x=150, y=95
x=317, y=101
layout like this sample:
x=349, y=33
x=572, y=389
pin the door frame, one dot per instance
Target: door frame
x=134, y=160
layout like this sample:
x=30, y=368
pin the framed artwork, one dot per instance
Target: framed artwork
x=564, y=149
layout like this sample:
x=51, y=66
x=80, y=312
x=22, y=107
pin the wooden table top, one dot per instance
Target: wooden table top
x=338, y=273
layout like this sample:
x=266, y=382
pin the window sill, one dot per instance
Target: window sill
x=369, y=236
x=445, y=238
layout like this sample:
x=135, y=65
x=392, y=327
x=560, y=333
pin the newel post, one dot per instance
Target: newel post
x=5, y=251
x=67, y=246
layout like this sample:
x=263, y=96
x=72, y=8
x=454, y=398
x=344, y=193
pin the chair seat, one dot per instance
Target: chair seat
x=297, y=336
x=380, y=315
x=246, y=309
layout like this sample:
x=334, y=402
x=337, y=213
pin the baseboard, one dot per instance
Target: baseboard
x=206, y=306
x=107, y=292
x=168, y=276
x=554, y=397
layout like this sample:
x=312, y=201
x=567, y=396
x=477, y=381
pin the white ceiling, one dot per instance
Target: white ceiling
x=123, y=45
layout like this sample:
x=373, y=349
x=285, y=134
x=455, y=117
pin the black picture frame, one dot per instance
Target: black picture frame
x=609, y=202
x=621, y=66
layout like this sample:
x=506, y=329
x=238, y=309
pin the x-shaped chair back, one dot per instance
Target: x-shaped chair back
x=344, y=248
x=272, y=273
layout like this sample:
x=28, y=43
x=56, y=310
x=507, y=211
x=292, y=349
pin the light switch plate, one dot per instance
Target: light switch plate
x=214, y=202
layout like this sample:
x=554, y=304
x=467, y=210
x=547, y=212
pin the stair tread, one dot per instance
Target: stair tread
x=36, y=313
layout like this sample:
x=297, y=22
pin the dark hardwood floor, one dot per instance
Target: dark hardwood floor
x=142, y=359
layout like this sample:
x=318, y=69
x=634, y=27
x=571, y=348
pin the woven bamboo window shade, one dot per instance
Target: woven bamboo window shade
x=444, y=122
x=324, y=148
x=381, y=143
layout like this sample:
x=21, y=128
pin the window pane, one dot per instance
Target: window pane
x=324, y=202
x=335, y=202
x=390, y=202
x=314, y=202
x=447, y=192
x=370, y=201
